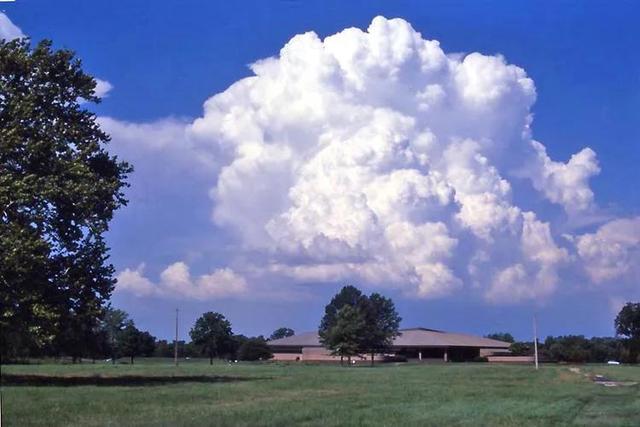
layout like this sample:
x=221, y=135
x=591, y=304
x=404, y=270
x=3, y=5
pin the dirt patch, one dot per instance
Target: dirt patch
x=602, y=380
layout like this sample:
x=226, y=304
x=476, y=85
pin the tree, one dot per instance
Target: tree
x=521, y=348
x=282, y=333
x=113, y=322
x=133, y=342
x=345, y=337
x=212, y=332
x=382, y=323
x=570, y=348
x=254, y=349
x=502, y=336
x=128, y=341
x=628, y=325
x=348, y=295
x=59, y=188
x=146, y=344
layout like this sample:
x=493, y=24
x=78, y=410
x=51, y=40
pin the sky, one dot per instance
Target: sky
x=474, y=161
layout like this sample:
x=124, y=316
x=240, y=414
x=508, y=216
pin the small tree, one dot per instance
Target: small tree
x=254, y=349
x=345, y=337
x=282, y=333
x=628, y=325
x=112, y=324
x=212, y=332
x=128, y=341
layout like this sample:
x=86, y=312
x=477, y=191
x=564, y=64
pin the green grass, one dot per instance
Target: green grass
x=285, y=394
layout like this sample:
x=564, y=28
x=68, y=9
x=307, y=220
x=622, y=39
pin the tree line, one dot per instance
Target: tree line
x=625, y=347
x=116, y=336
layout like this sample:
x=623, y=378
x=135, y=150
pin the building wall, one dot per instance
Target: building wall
x=510, y=359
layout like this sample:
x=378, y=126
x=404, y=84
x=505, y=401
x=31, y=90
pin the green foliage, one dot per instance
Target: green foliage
x=573, y=349
x=131, y=342
x=212, y=333
x=380, y=322
x=59, y=188
x=520, y=348
x=254, y=349
x=628, y=325
x=282, y=333
x=570, y=348
x=345, y=337
x=502, y=336
x=348, y=295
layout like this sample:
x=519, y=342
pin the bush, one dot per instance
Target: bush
x=254, y=349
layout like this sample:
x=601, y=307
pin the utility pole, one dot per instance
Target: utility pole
x=175, y=343
x=535, y=340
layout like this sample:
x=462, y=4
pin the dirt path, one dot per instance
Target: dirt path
x=601, y=379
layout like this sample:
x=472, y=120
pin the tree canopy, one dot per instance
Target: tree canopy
x=212, y=332
x=375, y=323
x=627, y=324
x=59, y=188
x=282, y=333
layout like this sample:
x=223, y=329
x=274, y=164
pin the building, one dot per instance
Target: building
x=413, y=343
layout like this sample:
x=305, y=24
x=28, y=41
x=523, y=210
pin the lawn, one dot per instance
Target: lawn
x=157, y=393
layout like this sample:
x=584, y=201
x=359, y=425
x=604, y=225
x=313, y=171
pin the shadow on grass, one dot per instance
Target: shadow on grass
x=124, y=380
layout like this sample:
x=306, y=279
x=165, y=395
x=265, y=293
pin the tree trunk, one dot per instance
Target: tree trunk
x=372, y=358
x=132, y=360
x=349, y=360
x=341, y=360
x=210, y=359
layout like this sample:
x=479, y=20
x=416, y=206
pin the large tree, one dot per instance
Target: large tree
x=346, y=337
x=59, y=188
x=212, y=333
x=348, y=295
x=380, y=321
x=628, y=325
x=382, y=324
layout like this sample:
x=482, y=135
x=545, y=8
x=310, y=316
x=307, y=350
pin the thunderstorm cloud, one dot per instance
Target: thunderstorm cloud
x=378, y=157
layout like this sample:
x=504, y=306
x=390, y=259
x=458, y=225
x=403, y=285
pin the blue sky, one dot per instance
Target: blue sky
x=165, y=59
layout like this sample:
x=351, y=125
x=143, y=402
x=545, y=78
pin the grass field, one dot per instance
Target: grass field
x=157, y=393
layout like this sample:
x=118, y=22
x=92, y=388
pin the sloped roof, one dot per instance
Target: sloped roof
x=412, y=337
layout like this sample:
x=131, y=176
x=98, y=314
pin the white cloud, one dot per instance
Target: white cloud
x=103, y=88
x=613, y=251
x=565, y=183
x=376, y=156
x=8, y=30
x=177, y=282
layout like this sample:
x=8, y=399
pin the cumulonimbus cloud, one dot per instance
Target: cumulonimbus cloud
x=378, y=156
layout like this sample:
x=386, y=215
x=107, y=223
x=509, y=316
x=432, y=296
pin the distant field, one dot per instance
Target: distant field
x=156, y=393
